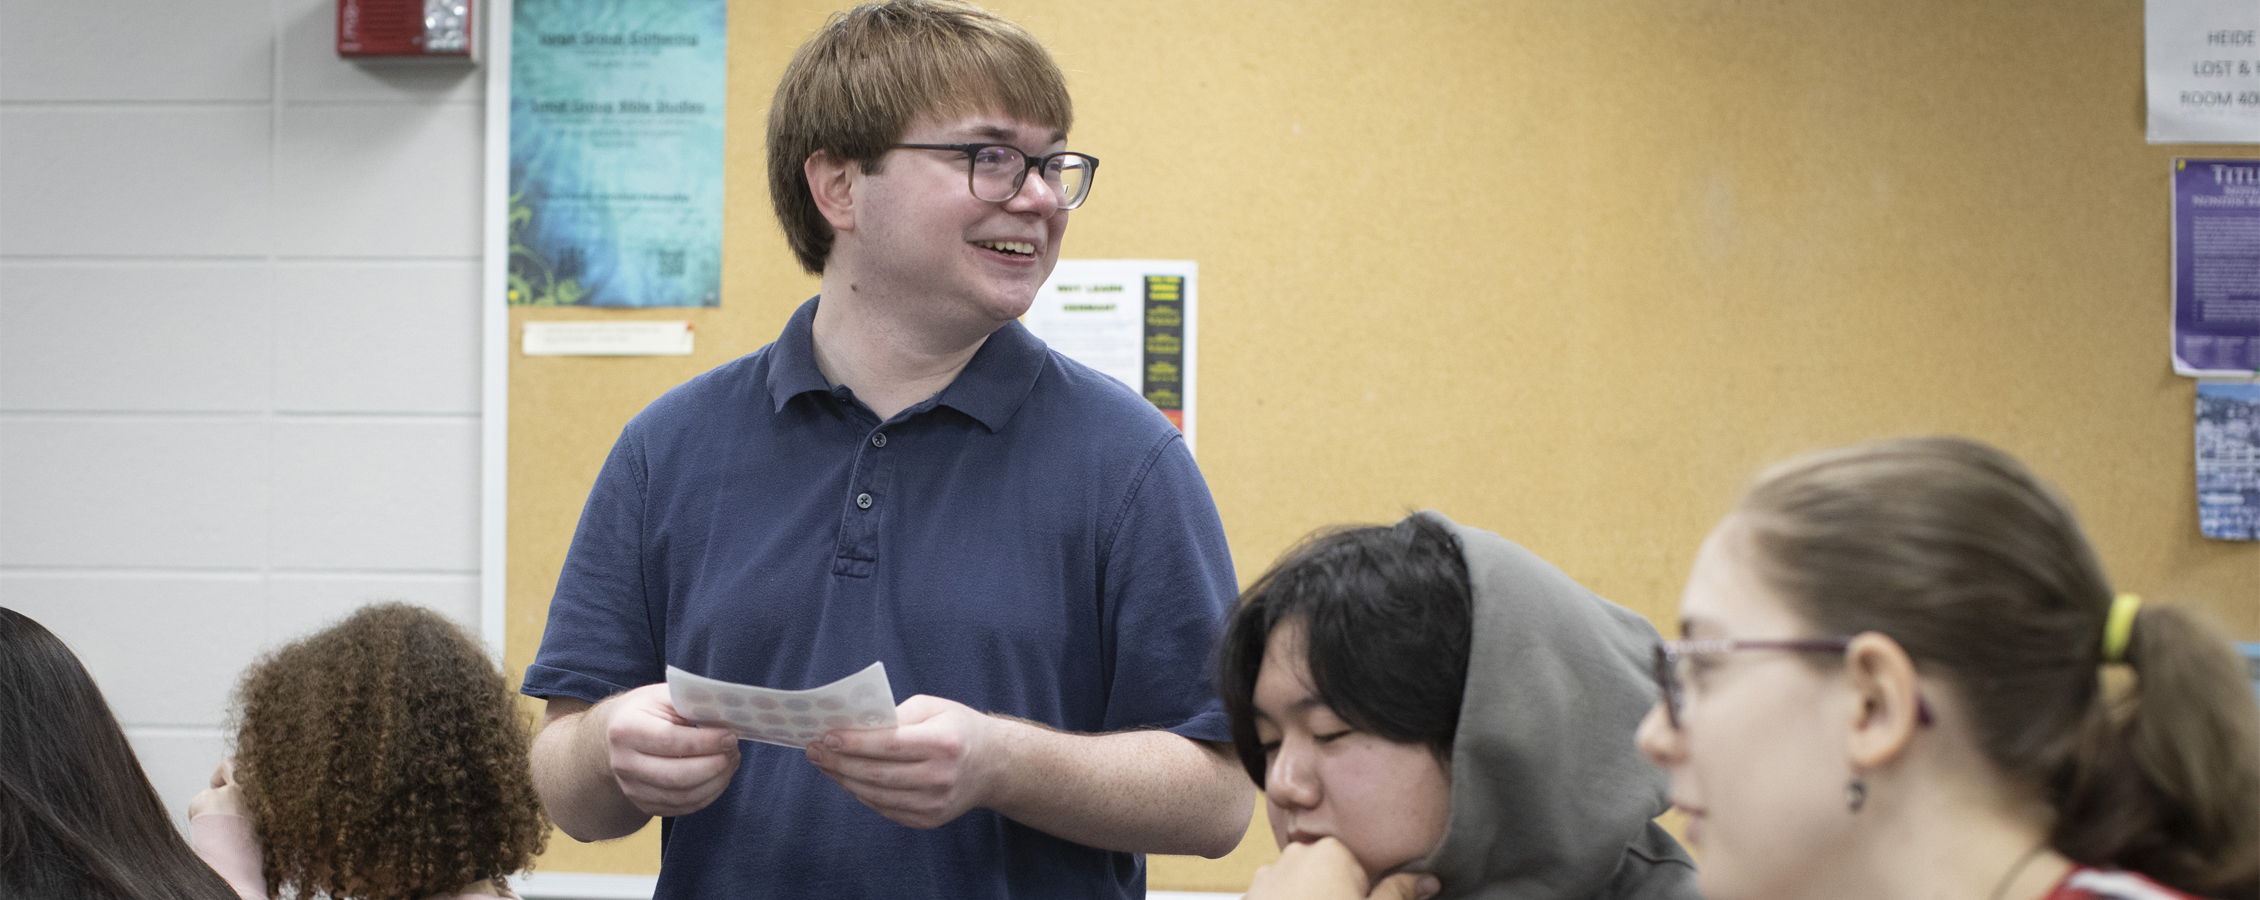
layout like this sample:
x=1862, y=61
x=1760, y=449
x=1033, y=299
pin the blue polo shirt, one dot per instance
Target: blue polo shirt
x=1033, y=540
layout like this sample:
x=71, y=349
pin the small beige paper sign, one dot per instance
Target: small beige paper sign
x=638, y=338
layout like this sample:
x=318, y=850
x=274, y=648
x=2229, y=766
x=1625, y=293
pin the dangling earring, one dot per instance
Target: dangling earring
x=1856, y=794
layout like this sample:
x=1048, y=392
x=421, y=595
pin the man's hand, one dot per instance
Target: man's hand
x=939, y=761
x=665, y=765
x=1326, y=870
x=222, y=797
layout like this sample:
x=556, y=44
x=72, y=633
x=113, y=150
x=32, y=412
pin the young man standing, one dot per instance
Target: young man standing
x=905, y=475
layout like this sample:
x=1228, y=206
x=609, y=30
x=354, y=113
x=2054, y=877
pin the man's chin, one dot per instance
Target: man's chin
x=1013, y=305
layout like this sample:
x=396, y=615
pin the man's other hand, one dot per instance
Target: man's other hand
x=939, y=761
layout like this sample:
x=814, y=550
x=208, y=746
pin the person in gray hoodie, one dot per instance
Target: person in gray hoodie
x=1432, y=709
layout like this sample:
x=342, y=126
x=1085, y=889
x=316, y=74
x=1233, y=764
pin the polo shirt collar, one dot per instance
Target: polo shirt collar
x=998, y=378
x=991, y=388
x=792, y=366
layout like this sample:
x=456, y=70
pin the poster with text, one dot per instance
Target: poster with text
x=2228, y=460
x=2217, y=267
x=616, y=122
x=2202, y=71
x=1132, y=319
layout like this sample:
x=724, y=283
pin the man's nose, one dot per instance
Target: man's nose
x=1036, y=195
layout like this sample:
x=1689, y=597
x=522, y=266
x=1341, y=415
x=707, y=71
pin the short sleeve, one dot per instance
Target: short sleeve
x=1167, y=585
x=603, y=636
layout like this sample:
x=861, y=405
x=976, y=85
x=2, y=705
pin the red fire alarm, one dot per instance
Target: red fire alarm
x=406, y=29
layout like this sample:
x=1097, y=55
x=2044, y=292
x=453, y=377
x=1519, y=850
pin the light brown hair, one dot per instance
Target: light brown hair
x=871, y=72
x=385, y=759
x=1956, y=551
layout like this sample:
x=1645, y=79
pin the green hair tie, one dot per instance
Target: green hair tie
x=2119, y=627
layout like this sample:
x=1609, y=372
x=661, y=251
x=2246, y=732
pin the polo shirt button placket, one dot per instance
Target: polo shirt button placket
x=878, y=439
x=863, y=501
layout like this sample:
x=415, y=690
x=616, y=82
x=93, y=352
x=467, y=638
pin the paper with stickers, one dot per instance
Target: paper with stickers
x=785, y=718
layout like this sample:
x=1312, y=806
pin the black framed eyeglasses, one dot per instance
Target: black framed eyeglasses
x=995, y=172
x=1671, y=655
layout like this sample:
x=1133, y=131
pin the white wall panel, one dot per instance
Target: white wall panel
x=384, y=180
x=377, y=495
x=173, y=337
x=300, y=604
x=77, y=181
x=133, y=492
x=206, y=50
x=238, y=343
x=165, y=649
x=378, y=337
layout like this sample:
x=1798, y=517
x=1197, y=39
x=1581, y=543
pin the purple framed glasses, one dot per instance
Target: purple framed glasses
x=1671, y=654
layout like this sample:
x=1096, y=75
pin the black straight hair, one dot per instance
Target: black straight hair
x=1386, y=613
x=78, y=818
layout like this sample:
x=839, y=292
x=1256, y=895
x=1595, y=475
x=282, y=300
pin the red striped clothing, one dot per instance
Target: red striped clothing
x=2083, y=883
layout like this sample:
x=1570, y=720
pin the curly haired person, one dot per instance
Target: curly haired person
x=381, y=759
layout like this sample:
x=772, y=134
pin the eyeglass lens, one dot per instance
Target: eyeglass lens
x=999, y=171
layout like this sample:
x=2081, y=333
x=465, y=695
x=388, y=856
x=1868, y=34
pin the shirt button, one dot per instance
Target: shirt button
x=863, y=501
x=879, y=439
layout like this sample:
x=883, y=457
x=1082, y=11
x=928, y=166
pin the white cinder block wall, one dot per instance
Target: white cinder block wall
x=239, y=344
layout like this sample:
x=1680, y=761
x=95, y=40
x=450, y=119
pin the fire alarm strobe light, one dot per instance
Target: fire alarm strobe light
x=405, y=29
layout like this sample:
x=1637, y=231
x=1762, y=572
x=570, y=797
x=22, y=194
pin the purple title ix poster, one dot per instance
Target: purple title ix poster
x=2217, y=267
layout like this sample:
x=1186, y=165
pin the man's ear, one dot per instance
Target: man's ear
x=1886, y=699
x=831, y=180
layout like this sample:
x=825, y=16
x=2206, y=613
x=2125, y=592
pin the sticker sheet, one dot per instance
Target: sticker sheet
x=785, y=718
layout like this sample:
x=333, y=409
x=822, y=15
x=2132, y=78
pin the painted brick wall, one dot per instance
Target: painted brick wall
x=239, y=344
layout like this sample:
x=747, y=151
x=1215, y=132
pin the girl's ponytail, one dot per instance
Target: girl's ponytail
x=2165, y=781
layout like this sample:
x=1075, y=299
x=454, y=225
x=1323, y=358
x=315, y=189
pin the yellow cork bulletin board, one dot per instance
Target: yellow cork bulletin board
x=1571, y=271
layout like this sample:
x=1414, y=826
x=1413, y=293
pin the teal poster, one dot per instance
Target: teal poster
x=616, y=152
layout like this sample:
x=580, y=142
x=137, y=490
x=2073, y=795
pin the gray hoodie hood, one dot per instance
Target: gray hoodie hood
x=1550, y=799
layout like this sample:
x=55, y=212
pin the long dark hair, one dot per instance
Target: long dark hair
x=1960, y=554
x=78, y=818
x=1387, y=613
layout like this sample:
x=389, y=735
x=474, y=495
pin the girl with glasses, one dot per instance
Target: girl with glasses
x=1431, y=708
x=1906, y=675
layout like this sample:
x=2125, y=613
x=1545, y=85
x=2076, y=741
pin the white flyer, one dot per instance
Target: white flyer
x=785, y=718
x=2201, y=61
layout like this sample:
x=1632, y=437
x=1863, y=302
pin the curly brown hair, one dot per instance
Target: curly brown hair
x=386, y=759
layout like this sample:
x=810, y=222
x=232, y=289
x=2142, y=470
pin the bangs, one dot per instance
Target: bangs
x=950, y=74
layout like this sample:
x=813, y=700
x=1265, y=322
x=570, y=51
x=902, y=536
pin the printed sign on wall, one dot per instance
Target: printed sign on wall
x=2202, y=71
x=616, y=123
x=2217, y=267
